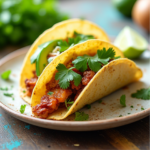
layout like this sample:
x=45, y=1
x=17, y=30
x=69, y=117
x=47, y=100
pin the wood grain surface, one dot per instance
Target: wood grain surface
x=17, y=135
x=134, y=136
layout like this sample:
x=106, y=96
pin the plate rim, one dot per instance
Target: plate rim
x=22, y=51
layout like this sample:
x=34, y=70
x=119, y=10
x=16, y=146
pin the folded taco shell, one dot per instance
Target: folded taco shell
x=108, y=79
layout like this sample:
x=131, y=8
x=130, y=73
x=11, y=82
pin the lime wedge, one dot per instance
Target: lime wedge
x=131, y=43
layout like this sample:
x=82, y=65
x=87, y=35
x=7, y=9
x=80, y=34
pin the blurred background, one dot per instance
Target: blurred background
x=22, y=21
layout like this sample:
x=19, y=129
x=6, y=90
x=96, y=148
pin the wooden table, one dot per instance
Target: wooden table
x=17, y=135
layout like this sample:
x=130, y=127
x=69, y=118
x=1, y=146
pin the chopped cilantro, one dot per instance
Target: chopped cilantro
x=4, y=89
x=142, y=108
x=5, y=75
x=82, y=62
x=123, y=100
x=88, y=106
x=8, y=94
x=120, y=116
x=22, y=108
x=65, y=75
x=78, y=38
x=68, y=102
x=63, y=45
x=24, y=91
x=131, y=106
x=142, y=94
x=81, y=116
x=13, y=98
x=129, y=113
x=50, y=93
x=99, y=101
x=104, y=56
x=83, y=37
x=94, y=62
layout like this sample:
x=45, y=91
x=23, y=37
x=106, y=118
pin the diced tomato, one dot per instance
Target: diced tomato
x=61, y=94
x=87, y=76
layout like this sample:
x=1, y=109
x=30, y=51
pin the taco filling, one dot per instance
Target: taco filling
x=47, y=52
x=69, y=81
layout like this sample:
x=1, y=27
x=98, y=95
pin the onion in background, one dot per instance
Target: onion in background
x=141, y=13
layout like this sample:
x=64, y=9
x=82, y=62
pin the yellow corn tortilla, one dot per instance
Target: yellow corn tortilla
x=111, y=77
x=61, y=30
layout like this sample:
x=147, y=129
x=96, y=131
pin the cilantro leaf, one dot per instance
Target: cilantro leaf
x=8, y=94
x=70, y=41
x=83, y=37
x=63, y=45
x=81, y=116
x=78, y=38
x=142, y=108
x=5, y=75
x=22, y=108
x=104, y=56
x=82, y=63
x=65, y=75
x=132, y=106
x=142, y=94
x=88, y=106
x=4, y=89
x=117, y=57
x=106, y=53
x=123, y=100
x=94, y=62
x=50, y=93
x=68, y=102
x=24, y=91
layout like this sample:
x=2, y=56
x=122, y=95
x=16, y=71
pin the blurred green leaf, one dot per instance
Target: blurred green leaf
x=22, y=21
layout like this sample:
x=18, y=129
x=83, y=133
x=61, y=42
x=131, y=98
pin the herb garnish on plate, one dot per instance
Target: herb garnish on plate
x=123, y=100
x=22, y=108
x=142, y=94
x=8, y=94
x=81, y=116
x=4, y=89
x=5, y=75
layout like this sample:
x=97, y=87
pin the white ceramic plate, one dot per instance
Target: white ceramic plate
x=101, y=115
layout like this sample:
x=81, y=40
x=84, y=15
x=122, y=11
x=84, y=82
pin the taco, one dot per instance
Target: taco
x=52, y=43
x=80, y=76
